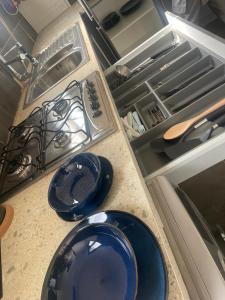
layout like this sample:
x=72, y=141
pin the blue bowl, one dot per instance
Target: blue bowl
x=95, y=262
x=99, y=197
x=75, y=184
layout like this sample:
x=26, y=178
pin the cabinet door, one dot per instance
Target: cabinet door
x=10, y=96
x=41, y=13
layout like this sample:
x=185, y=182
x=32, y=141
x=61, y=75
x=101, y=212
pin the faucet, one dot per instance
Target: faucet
x=22, y=57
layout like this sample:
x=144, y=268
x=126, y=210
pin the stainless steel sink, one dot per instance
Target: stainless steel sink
x=58, y=57
x=56, y=62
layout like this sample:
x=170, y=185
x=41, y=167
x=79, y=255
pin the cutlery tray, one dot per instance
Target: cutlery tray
x=181, y=52
x=145, y=105
x=157, y=46
x=182, y=83
x=150, y=161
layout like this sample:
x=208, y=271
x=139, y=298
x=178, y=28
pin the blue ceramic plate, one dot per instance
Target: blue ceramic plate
x=152, y=275
x=95, y=262
x=107, y=178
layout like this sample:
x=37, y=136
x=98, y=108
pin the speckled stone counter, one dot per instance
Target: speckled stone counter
x=36, y=231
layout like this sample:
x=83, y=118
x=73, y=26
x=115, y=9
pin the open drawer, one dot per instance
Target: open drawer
x=176, y=85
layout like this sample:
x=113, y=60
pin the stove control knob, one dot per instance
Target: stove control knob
x=91, y=91
x=95, y=105
x=93, y=98
x=90, y=84
x=90, y=87
x=96, y=113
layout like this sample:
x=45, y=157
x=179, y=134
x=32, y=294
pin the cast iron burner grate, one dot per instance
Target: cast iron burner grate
x=19, y=166
x=61, y=107
x=46, y=127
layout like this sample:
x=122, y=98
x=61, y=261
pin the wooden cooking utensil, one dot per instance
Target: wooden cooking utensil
x=6, y=216
x=180, y=128
x=7, y=220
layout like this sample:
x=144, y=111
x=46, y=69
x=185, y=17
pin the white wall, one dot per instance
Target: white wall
x=39, y=13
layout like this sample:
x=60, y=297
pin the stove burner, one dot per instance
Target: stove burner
x=61, y=107
x=21, y=133
x=62, y=139
x=19, y=166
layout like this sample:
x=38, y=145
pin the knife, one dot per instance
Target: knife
x=187, y=82
x=150, y=60
x=182, y=104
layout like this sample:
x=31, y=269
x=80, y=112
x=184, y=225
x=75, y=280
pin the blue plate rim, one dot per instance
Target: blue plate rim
x=77, y=229
x=137, y=220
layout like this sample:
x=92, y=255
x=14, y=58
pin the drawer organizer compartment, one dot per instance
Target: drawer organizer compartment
x=148, y=147
x=176, y=67
x=151, y=111
x=177, y=86
x=160, y=45
x=196, y=90
x=185, y=78
x=133, y=123
x=132, y=97
x=155, y=67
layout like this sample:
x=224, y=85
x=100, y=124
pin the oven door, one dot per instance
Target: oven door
x=214, y=241
x=203, y=273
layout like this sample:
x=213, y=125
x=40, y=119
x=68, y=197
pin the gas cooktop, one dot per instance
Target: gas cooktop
x=73, y=121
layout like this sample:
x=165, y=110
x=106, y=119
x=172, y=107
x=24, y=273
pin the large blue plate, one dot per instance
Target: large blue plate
x=94, y=262
x=152, y=274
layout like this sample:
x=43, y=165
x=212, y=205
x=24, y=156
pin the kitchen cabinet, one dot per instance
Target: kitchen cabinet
x=190, y=51
x=132, y=29
x=41, y=13
x=10, y=95
x=104, y=49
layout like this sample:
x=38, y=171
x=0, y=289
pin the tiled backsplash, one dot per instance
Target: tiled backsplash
x=15, y=28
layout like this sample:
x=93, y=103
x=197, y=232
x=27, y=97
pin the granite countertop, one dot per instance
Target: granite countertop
x=36, y=231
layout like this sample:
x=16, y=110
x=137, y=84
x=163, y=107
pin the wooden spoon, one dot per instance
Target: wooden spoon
x=180, y=128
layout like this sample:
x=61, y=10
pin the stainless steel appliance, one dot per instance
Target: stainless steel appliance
x=76, y=119
x=62, y=57
x=203, y=197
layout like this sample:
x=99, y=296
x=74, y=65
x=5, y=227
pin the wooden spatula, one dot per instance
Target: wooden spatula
x=180, y=128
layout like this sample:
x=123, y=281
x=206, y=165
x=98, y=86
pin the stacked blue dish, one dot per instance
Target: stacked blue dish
x=80, y=186
x=109, y=255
